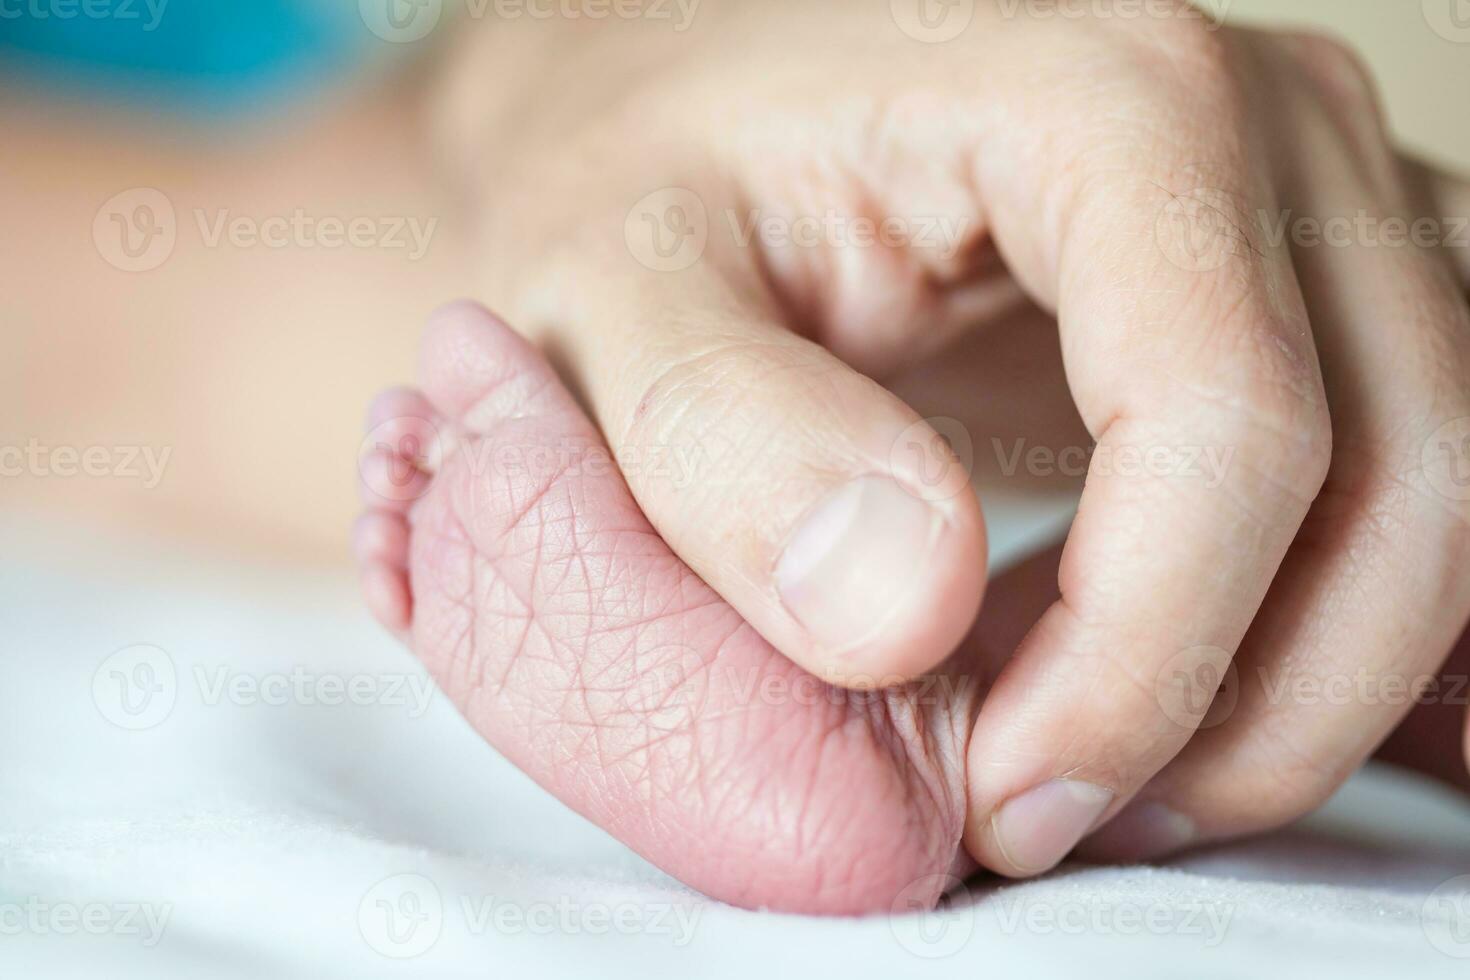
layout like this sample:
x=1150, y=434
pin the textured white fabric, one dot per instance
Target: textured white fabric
x=272, y=839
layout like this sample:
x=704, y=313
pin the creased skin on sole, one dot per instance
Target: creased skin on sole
x=582, y=648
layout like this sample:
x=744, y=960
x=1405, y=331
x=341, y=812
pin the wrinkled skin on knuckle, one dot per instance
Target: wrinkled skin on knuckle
x=1189, y=51
x=746, y=417
x=1337, y=71
x=1293, y=775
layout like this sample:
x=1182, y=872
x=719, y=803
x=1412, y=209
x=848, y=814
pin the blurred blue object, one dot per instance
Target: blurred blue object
x=182, y=54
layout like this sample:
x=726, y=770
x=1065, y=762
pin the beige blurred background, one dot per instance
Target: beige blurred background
x=251, y=367
x=1420, y=50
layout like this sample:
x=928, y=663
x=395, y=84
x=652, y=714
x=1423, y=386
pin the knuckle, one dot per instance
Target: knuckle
x=1290, y=790
x=1439, y=468
x=1275, y=430
x=719, y=409
x=1279, y=427
x=1337, y=68
x=1290, y=779
x=1192, y=45
x=1185, y=69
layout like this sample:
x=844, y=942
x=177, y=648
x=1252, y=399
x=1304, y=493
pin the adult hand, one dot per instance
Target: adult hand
x=682, y=220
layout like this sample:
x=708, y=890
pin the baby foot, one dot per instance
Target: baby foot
x=502, y=543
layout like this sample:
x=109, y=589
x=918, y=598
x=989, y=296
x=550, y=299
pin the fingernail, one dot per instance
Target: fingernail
x=1041, y=826
x=1143, y=830
x=845, y=570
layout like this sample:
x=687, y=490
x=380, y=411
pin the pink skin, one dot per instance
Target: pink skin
x=580, y=646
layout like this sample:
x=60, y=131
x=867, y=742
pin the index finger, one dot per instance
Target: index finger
x=1189, y=356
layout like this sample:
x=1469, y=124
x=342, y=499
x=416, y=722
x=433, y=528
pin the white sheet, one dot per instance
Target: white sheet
x=261, y=838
